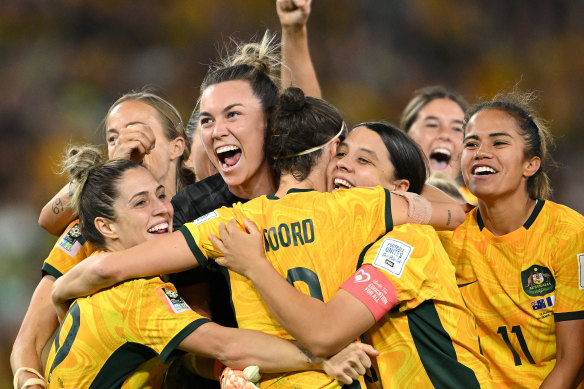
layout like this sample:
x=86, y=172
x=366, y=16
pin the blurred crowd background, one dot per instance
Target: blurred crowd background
x=62, y=63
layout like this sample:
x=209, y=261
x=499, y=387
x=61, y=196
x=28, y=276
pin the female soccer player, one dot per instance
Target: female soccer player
x=107, y=339
x=518, y=256
x=135, y=123
x=301, y=156
x=403, y=293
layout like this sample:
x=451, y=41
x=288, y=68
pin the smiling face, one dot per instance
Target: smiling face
x=232, y=129
x=493, y=160
x=361, y=160
x=438, y=131
x=134, y=112
x=143, y=211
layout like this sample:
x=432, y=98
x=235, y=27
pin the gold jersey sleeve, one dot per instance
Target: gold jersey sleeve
x=519, y=285
x=428, y=339
x=109, y=339
x=312, y=239
x=70, y=249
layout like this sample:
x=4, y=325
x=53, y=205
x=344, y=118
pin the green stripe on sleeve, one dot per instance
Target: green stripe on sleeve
x=166, y=354
x=436, y=350
x=201, y=258
x=569, y=316
x=50, y=270
x=388, y=217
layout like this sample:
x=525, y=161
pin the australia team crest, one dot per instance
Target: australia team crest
x=537, y=281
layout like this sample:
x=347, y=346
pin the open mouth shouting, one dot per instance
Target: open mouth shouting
x=340, y=183
x=440, y=158
x=228, y=156
x=159, y=229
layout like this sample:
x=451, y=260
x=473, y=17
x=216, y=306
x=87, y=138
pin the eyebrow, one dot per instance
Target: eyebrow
x=145, y=192
x=205, y=113
x=492, y=135
x=362, y=149
x=127, y=124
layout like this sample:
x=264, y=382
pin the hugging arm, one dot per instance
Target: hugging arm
x=167, y=254
x=39, y=324
x=321, y=327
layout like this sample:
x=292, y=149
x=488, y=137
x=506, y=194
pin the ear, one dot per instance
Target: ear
x=531, y=166
x=333, y=147
x=106, y=227
x=177, y=147
x=402, y=185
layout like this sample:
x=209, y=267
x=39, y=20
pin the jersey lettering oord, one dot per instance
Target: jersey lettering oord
x=313, y=239
x=116, y=337
x=519, y=285
x=428, y=339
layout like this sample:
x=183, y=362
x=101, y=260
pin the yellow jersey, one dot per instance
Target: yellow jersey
x=519, y=285
x=312, y=239
x=116, y=337
x=428, y=339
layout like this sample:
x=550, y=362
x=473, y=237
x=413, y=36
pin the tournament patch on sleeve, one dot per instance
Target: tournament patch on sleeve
x=72, y=241
x=372, y=288
x=205, y=218
x=392, y=256
x=581, y=271
x=172, y=300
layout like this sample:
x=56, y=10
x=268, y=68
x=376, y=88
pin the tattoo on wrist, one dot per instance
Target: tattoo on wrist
x=449, y=218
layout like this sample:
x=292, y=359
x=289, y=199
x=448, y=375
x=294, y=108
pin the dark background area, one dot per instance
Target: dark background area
x=62, y=63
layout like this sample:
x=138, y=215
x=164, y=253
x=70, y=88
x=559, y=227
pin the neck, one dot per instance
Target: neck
x=170, y=182
x=260, y=184
x=315, y=180
x=505, y=215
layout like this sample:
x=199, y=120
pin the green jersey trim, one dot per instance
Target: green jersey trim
x=566, y=316
x=436, y=350
x=199, y=256
x=121, y=364
x=166, y=354
x=47, y=269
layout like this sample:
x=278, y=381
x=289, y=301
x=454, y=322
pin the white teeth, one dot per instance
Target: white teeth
x=484, y=169
x=224, y=149
x=341, y=182
x=442, y=151
x=158, y=227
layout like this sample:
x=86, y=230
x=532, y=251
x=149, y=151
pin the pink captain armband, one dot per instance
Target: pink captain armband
x=370, y=286
x=419, y=208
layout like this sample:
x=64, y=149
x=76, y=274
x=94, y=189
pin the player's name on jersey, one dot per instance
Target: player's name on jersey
x=284, y=235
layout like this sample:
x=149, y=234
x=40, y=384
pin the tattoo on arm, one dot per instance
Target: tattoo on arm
x=311, y=357
x=449, y=218
x=58, y=206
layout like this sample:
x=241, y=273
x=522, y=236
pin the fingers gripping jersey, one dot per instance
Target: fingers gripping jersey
x=428, y=339
x=313, y=239
x=109, y=339
x=70, y=249
x=518, y=285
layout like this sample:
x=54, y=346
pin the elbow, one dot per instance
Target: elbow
x=45, y=223
x=323, y=344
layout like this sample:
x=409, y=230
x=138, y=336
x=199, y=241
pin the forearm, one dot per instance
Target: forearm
x=38, y=325
x=238, y=348
x=57, y=213
x=298, y=70
x=83, y=279
x=309, y=320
